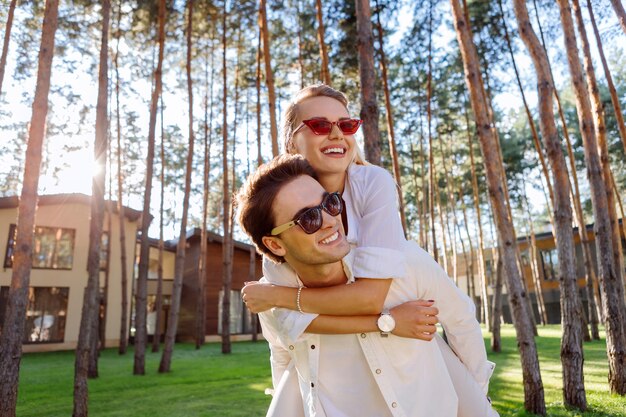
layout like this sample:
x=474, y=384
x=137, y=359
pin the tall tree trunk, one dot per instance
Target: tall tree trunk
x=619, y=117
x=600, y=131
x=496, y=339
x=87, y=336
x=608, y=276
x=534, y=263
x=208, y=136
x=269, y=75
x=571, y=320
x=533, y=388
x=15, y=313
x=367, y=76
x=141, y=293
x=252, y=276
x=179, y=265
x=227, y=240
x=429, y=116
x=158, y=299
x=471, y=292
x=444, y=257
x=7, y=38
x=621, y=14
x=482, y=270
x=300, y=44
x=392, y=138
x=120, y=192
x=425, y=199
x=450, y=188
x=590, y=274
x=258, y=97
x=325, y=73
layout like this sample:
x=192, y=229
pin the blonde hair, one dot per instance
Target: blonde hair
x=291, y=116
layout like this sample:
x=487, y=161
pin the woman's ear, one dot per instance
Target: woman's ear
x=275, y=245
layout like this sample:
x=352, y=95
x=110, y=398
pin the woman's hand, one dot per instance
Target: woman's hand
x=415, y=319
x=257, y=296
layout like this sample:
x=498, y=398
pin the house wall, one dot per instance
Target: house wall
x=213, y=282
x=75, y=216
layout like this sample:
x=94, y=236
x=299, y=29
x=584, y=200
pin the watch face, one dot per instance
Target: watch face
x=386, y=323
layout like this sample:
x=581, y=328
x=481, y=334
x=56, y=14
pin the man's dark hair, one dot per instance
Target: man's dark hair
x=256, y=197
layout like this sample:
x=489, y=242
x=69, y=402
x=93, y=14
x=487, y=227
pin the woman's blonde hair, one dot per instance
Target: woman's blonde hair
x=291, y=116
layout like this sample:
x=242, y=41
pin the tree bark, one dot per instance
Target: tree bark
x=208, y=139
x=496, y=339
x=597, y=109
x=227, y=240
x=431, y=155
x=87, y=336
x=608, y=276
x=533, y=388
x=367, y=73
x=571, y=320
x=590, y=274
x=158, y=299
x=120, y=192
x=269, y=75
x=141, y=293
x=619, y=117
x=179, y=265
x=258, y=97
x=252, y=277
x=325, y=73
x=13, y=327
x=620, y=12
x=392, y=137
x=482, y=270
x=7, y=38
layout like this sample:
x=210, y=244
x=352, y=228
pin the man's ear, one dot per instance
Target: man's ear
x=275, y=245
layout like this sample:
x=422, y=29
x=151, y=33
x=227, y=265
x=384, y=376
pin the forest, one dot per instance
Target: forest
x=497, y=119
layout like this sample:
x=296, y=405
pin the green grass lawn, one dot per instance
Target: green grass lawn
x=206, y=383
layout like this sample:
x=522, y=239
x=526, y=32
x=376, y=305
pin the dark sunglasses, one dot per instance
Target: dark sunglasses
x=311, y=219
x=324, y=127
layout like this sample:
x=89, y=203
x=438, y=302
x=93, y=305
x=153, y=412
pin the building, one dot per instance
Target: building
x=59, y=274
x=246, y=267
x=547, y=273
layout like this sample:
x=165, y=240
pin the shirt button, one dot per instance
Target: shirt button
x=378, y=371
x=394, y=404
x=363, y=335
x=291, y=347
x=312, y=385
x=312, y=346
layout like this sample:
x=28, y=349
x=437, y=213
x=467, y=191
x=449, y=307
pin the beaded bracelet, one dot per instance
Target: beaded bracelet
x=298, y=300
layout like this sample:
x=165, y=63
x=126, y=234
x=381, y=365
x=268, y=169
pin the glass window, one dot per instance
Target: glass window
x=550, y=261
x=45, y=315
x=53, y=248
x=105, y=249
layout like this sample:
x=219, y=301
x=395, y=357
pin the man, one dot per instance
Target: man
x=370, y=372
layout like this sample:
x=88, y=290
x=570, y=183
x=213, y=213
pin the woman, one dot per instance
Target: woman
x=318, y=126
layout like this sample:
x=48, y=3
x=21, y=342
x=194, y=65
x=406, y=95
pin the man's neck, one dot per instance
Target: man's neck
x=324, y=275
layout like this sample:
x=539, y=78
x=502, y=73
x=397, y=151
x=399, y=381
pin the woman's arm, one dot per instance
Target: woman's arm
x=365, y=296
x=414, y=319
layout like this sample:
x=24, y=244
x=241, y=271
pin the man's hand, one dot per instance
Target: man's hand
x=257, y=296
x=415, y=319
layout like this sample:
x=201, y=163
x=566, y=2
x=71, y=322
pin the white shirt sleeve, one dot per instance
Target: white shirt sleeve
x=457, y=314
x=380, y=234
x=288, y=325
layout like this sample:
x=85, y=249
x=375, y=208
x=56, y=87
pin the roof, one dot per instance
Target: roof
x=195, y=233
x=550, y=235
x=60, y=199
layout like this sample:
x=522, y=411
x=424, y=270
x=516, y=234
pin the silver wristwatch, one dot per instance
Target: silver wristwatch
x=386, y=323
